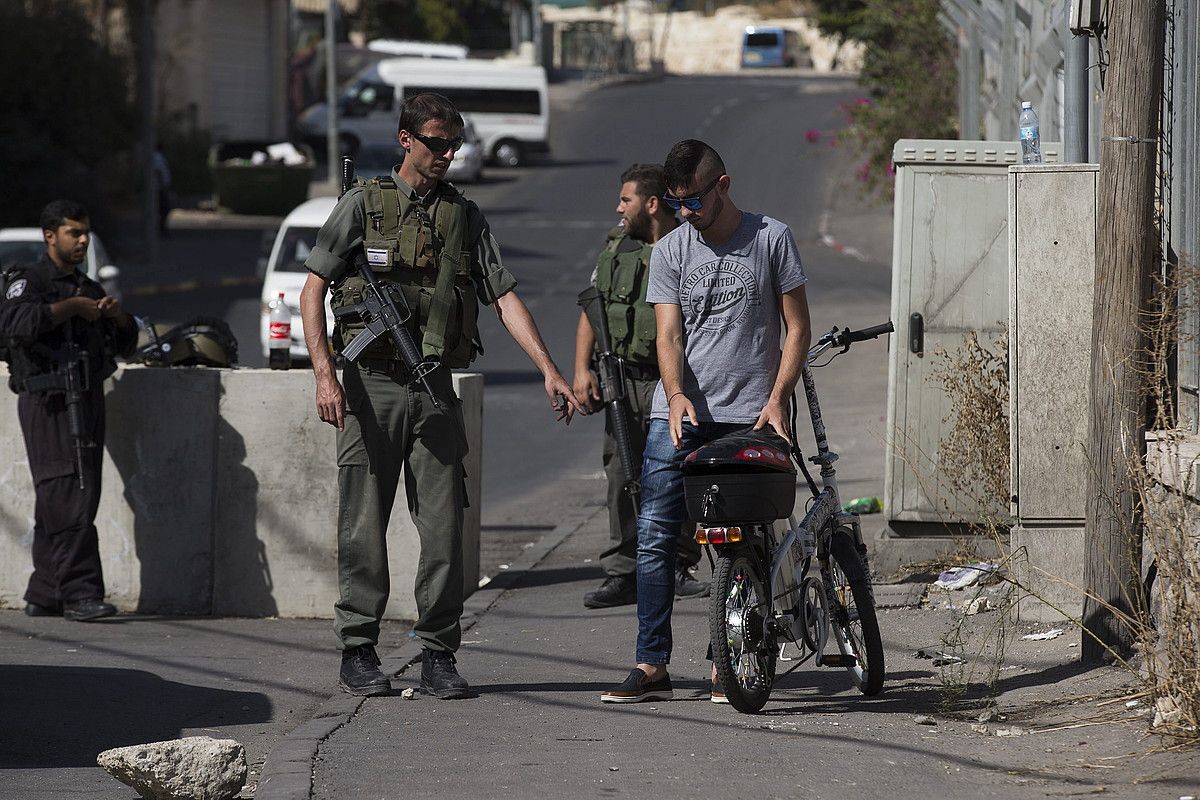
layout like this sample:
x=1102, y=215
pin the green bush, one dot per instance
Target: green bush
x=911, y=78
x=67, y=115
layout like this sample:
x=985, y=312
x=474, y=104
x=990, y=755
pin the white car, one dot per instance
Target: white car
x=285, y=271
x=23, y=245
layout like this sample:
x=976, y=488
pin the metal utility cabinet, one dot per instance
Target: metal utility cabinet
x=1052, y=263
x=949, y=277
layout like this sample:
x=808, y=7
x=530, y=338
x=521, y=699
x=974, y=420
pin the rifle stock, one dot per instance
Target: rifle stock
x=610, y=368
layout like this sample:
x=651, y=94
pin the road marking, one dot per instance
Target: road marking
x=833, y=244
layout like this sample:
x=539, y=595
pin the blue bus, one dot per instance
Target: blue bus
x=769, y=47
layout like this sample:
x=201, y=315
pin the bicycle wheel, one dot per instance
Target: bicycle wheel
x=852, y=614
x=742, y=652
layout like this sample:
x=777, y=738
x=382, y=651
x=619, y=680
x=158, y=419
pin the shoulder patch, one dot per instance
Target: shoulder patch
x=16, y=289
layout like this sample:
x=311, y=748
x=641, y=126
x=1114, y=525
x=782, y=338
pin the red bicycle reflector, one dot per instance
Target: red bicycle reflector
x=718, y=535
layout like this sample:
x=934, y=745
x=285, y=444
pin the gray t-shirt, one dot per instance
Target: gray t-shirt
x=729, y=296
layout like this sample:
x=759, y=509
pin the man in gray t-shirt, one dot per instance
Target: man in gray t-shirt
x=719, y=285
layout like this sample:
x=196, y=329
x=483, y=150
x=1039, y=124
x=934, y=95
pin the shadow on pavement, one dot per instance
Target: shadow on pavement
x=550, y=577
x=64, y=716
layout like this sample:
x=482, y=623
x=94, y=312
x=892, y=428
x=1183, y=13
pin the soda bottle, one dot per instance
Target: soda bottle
x=1031, y=140
x=279, y=340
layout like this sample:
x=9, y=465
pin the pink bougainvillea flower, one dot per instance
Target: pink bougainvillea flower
x=812, y=136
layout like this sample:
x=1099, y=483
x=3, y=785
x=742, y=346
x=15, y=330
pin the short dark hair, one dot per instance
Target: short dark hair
x=689, y=159
x=648, y=178
x=415, y=111
x=57, y=212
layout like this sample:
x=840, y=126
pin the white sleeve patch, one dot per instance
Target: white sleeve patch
x=17, y=289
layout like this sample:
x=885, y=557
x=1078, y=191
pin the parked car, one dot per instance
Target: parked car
x=22, y=245
x=285, y=271
x=378, y=159
x=770, y=47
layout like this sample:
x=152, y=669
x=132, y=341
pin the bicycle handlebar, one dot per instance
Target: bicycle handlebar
x=845, y=337
x=868, y=333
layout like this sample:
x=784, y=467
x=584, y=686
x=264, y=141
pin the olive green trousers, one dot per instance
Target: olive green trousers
x=393, y=429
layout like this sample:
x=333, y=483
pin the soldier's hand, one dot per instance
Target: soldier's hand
x=587, y=390
x=109, y=307
x=84, y=307
x=562, y=399
x=331, y=402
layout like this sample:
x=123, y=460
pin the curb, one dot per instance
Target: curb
x=288, y=770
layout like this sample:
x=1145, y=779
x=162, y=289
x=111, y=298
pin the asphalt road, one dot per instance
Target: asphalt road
x=551, y=218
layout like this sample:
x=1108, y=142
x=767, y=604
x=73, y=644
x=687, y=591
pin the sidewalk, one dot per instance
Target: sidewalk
x=539, y=659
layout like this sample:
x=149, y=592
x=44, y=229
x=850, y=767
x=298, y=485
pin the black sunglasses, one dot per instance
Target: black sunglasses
x=437, y=144
x=693, y=203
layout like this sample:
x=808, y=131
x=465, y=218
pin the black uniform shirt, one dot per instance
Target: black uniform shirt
x=26, y=321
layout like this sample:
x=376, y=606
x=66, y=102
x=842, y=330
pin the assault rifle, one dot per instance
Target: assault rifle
x=383, y=312
x=610, y=368
x=73, y=379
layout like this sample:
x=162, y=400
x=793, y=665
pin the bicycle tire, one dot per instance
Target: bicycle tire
x=745, y=663
x=852, y=614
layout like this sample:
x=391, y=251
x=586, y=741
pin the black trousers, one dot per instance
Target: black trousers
x=66, y=548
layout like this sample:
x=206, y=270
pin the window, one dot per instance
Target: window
x=297, y=244
x=486, y=101
x=762, y=40
x=367, y=96
x=12, y=252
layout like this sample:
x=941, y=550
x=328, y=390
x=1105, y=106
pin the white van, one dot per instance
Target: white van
x=507, y=103
x=285, y=270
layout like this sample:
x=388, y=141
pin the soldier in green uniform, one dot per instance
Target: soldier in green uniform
x=418, y=233
x=621, y=275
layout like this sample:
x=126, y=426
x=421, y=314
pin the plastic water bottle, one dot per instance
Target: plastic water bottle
x=1031, y=140
x=279, y=340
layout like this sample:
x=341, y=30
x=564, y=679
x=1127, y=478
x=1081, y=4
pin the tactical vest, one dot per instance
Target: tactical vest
x=622, y=277
x=425, y=252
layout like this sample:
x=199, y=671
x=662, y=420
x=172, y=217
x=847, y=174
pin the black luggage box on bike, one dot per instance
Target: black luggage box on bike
x=740, y=478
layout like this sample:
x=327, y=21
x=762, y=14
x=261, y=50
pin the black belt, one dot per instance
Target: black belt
x=641, y=372
x=392, y=366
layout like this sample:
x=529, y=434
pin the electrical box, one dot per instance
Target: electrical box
x=1052, y=250
x=1087, y=17
x=949, y=277
x=1052, y=264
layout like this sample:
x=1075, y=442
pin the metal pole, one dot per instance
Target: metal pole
x=331, y=117
x=1076, y=52
x=145, y=68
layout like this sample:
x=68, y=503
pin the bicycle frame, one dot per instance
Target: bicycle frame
x=790, y=559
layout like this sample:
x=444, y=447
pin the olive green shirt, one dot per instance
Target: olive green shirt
x=341, y=237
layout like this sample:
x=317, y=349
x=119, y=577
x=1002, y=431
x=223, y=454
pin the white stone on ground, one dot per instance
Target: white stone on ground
x=194, y=768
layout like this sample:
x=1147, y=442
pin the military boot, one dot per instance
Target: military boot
x=360, y=673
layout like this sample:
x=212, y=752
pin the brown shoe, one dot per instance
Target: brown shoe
x=637, y=688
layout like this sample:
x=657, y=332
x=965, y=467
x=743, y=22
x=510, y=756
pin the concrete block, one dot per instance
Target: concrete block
x=220, y=497
x=1049, y=562
x=155, y=515
x=275, y=548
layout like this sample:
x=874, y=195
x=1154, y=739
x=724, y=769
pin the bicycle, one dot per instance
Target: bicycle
x=737, y=487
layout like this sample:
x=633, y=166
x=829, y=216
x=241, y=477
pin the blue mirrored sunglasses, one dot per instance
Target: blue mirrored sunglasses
x=693, y=203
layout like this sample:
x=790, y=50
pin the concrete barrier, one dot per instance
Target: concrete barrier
x=220, y=497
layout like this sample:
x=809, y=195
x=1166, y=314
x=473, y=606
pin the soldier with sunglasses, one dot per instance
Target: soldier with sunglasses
x=721, y=285
x=423, y=239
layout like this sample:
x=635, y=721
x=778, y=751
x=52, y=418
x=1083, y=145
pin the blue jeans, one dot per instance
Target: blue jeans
x=663, y=510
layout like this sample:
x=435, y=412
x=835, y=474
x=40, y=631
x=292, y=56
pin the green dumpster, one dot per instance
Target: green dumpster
x=272, y=187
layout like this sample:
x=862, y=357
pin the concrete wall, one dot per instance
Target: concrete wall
x=220, y=497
